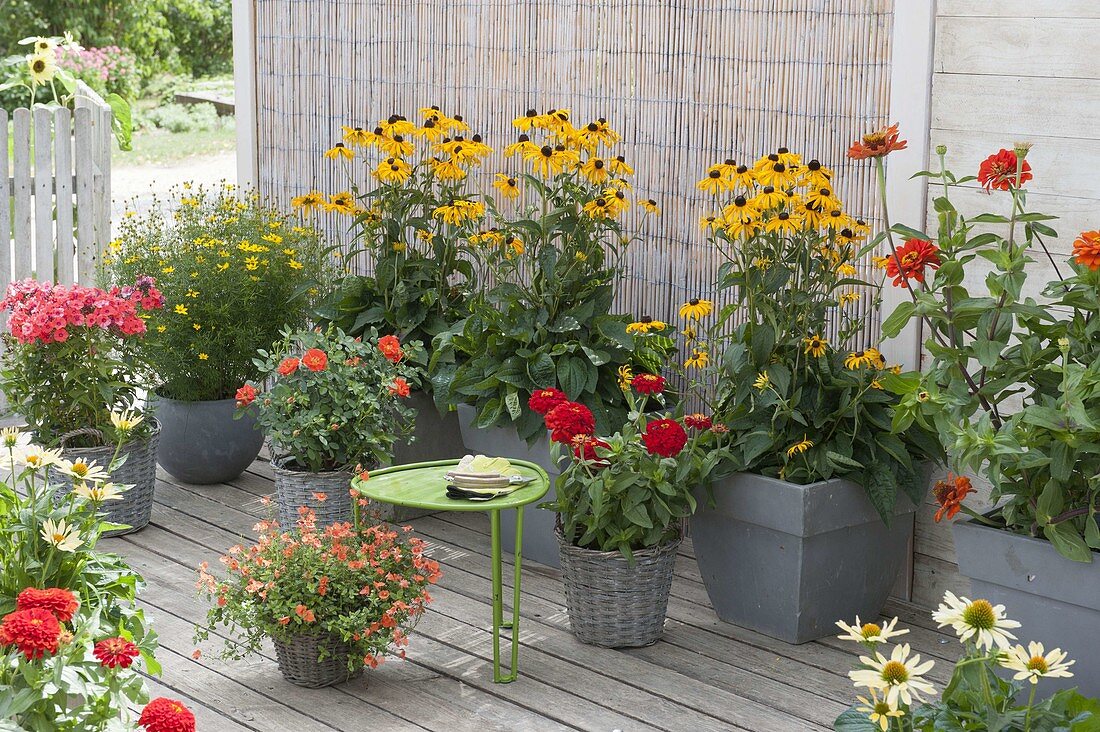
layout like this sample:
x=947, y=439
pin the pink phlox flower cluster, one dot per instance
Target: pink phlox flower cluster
x=42, y=312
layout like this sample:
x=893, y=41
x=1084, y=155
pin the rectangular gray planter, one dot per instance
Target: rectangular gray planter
x=1056, y=600
x=790, y=560
x=539, y=541
x=436, y=437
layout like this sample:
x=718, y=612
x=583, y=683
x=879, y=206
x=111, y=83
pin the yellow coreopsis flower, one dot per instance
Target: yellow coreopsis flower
x=783, y=223
x=600, y=208
x=396, y=146
x=714, y=183
x=650, y=206
x=696, y=308
x=626, y=375
x=308, y=202
x=447, y=169
x=619, y=166
x=181, y=309
x=342, y=203
x=697, y=360
x=646, y=324
x=392, y=170
x=595, y=170
x=396, y=125
x=768, y=198
x=356, y=136
x=458, y=212
x=762, y=381
x=744, y=226
x=799, y=447
x=523, y=147
x=847, y=298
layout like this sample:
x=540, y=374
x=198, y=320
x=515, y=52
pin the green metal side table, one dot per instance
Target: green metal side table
x=422, y=485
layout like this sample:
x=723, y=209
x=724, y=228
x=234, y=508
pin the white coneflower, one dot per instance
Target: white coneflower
x=977, y=620
x=61, y=535
x=98, y=492
x=898, y=676
x=870, y=633
x=13, y=438
x=37, y=457
x=879, y=711
x=1033, y=663
x=126, y=421
x=81, y=470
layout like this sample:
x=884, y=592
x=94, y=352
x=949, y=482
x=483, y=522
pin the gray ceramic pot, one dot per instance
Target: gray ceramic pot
x=201, y=442
x=1056, y=600
x=540, y=543
x=790, y=560
x=435, y=437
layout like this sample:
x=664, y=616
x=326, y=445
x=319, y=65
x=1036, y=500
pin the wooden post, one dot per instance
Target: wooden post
x=21, y=228
x=63, y=193
x=244, y=77
x=43, y=194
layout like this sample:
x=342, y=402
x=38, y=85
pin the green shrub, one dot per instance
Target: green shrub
x=183, y=118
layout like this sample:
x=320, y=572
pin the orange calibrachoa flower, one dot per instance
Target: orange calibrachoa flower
x=246, y=395
x=999, y=171
x=288, y=366
x=390, y=347
x=400, y=387
x=949, y=494
x=877, y=144
x=910, y=261
x=315, y=359
x=1086, y=249
x=367, y=584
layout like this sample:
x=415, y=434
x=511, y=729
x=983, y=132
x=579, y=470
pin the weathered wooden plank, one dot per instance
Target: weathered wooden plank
x=43, y=193
x=992, y=45
x=1019, y=8
x=205, y=717
x=63, y=195
x=23, y=187
x=1040, y=106
x=85, y=189
x=5, y=211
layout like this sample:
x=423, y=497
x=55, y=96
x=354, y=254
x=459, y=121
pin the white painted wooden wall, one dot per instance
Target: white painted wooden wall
x=1008, y=71
x=55, y=217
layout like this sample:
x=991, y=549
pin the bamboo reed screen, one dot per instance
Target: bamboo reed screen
x=686, y=82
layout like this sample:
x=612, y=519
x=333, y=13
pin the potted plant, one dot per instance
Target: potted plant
x=332, y=405
x=621, y=505
x=68, y=609
x=815, y=520
x=71, y=370
x=332, y=600
x=552, y=246
x=979, y=696
x=1013, y=389
x=424, y=271
x=234, y=272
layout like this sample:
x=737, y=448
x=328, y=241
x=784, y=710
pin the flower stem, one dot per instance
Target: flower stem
x=1030, y=704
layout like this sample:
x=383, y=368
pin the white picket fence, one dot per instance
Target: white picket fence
x=57, y=216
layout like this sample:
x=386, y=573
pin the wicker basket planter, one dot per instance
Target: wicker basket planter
x=300, y=660
x=139, y=471
x=614, y=603
x=296, y=488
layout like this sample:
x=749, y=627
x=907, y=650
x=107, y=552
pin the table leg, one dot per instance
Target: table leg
x=498, y=597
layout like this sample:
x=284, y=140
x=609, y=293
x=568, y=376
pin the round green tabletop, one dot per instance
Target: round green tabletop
x=422, y=485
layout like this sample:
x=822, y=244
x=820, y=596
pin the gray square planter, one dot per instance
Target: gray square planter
x=1056, y=600
x=436, y=437
x=790, y=560
x=540, y=544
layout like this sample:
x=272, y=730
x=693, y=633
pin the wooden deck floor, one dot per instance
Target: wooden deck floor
x=705, y=674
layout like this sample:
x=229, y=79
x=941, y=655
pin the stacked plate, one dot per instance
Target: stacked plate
x=481, y=478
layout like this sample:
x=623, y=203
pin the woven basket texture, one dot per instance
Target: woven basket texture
x=300, y=664
x=614, y=603
x=139, y=471
x=296, y=488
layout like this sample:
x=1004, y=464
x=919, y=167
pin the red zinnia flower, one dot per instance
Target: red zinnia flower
x=400, y=387
x=999, y=171
x=697, y=421
x=648, y=383
x=543, y=400
x=246, y=395
x=315, y=359
x=288, y=366
x=569, y=419
x=115, y=652
x=166, y=715
x=913, y=256
x=584, y=448
x=664, y=437
x=35, y=632
x=950, y=494
x=390, y=347
x=1086, y=249
x=62, y=603
x=877, y=144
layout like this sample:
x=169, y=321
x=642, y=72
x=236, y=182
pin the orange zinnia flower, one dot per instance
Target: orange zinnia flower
x=910, y=260
x=950, y=494
x=877, y=144
x=999, y=171
x=1086, y=249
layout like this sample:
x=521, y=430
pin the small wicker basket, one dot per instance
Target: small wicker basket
x=300, y=660
x=296, y=488
x=139, y=471
x=614, y=603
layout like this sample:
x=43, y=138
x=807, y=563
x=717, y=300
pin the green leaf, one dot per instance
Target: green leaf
x=541, y=371
x=897, y=320
x=1067, y=541
x=122, y=122
x=854, y=721
x=881, y=489
x=512, y=403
